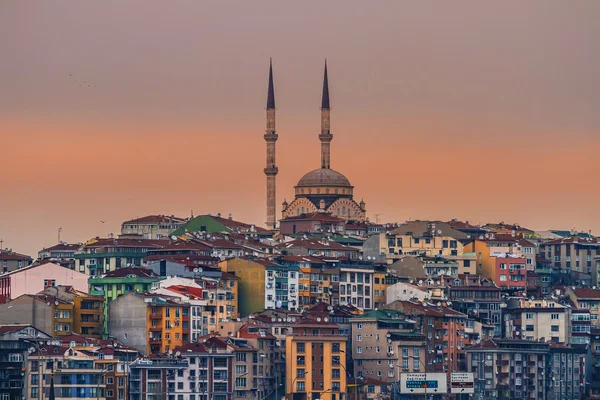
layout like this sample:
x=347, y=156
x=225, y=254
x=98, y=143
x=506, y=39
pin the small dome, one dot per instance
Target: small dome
x=324, y=177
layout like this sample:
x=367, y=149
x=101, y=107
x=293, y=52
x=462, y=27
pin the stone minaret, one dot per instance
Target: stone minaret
x=271, y=137
x=325, y=135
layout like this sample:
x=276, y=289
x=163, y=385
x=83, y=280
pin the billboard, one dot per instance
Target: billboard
x=421, y=382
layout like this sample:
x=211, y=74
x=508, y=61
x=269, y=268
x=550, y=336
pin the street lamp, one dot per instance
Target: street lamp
x=31, y=340
x=355, y=378
x=425, y=370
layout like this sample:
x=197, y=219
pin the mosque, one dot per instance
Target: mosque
x=320, y=190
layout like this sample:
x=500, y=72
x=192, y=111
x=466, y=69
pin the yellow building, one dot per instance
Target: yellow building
x=252, y=282
x=315, y=361
x=380, y=286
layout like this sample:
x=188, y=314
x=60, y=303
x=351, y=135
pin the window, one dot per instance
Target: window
x=555, y=328
x=529, y=328
x=371, y=389
x=528, y=315
x=300, y=387
x=502, y=266
x=335, y=373
x=503, y=278
x=359, y=338
x=300, y=347
x=554, y=316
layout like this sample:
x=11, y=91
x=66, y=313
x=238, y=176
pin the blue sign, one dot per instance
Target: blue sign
x=421, y=384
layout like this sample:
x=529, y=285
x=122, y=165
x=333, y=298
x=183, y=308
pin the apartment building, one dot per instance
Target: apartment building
x=15, y=342
x=58, y=311
x=573, y=254
x=281, y=290
x=219, y=368
x=418, y=238
x=385, y=344
x=489, y=247
x=192, y=294
x=122, y=281
x=356, y=285
x=313, y=222
x=37, y=277
x=315, y=361
x=11, y=261
x=537, y=319
x=101, y=255
x=150, y=323
x=152, y=226
x=222, y=300
x=585, y=298
x=524, y=369
x=156, y=378
x=444, y=329
x=62, y=254
x=478, y=298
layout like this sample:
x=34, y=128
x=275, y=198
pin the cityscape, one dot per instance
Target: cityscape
x=425, y=227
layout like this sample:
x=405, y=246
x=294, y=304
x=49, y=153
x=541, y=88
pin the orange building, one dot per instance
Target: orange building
x=315, y=361
x=150, y=323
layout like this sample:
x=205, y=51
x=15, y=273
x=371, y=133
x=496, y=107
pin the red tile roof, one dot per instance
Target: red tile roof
x=11, y=255
x=573, y=239
x=108, y=242
x=63, y=247
x=316, y=216
x=12, y=328
x=586, y=293
x=317, y=244
x=155, y=219
x=251, y=331
x=193, y=293
x=138, y=272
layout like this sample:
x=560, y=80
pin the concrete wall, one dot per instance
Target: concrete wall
x=26, y=310
x=404, y=291
x=127, y=321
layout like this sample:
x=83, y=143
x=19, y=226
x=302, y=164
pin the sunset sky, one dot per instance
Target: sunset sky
x=482, y=111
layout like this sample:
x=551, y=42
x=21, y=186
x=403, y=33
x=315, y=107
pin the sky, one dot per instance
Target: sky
x=482, y=111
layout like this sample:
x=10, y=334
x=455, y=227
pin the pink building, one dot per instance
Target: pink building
x=314, y=222
x=35, y=278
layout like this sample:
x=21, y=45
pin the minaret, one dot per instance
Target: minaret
x=325, y=135
x=271, y=137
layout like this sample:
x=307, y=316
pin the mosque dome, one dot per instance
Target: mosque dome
x=324, y=177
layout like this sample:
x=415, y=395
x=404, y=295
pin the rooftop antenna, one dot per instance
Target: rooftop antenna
x=59, y=230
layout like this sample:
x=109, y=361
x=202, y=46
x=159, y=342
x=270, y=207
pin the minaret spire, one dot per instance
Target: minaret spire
x=271, y=137
x=325, y=97
x=271, y=91
x=325, y=137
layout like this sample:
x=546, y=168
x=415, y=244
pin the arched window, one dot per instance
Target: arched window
x=297, y=211
x=343, y=210
x=302, y=210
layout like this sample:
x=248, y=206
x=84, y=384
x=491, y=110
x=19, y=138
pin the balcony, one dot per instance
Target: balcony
x=156, y=316
x=502, y=375
x=156, y=329
x=502, y=362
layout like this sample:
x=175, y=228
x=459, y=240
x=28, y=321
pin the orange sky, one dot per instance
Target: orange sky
x=467, y=110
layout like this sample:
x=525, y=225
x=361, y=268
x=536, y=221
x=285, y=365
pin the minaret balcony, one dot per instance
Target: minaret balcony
x=271, y=136
x=271, y=171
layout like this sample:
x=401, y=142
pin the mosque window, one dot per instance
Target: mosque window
x=343, y=210
x=327, y=190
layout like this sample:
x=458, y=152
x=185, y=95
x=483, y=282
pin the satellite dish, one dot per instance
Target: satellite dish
x=439, y=231
x=273, y=319
x=173, y=237
x=56, y=301
x=318, y=319
x=170, y=351
x=195, y=270
x=177, y=354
